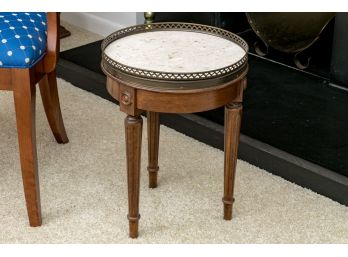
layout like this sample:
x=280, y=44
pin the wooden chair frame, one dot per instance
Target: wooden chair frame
x=23, y=84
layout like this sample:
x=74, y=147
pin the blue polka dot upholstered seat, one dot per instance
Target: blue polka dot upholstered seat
x=23, y=39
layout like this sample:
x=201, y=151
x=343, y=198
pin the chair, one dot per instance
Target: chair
x=29, y=47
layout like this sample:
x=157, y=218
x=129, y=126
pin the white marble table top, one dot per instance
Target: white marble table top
x=175, y=51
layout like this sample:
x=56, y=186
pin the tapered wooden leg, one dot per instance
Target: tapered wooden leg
x=24, y=99
x=153, y=130
x=50, y=100
x=133, y=129
x=233, y=115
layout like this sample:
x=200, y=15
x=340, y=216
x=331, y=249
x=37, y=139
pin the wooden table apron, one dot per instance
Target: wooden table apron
x=135, y=98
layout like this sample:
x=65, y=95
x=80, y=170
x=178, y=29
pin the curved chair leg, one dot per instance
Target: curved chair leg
x=24, y=99
x=50, y=100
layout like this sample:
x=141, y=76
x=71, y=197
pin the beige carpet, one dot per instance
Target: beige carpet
x=84, y=193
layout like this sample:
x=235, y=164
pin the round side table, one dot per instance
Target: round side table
x=174, y=68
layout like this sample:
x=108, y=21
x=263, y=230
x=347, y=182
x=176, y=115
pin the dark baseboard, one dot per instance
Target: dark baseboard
x=277, y=162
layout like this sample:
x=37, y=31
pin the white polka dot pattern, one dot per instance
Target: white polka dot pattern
x=23, y=39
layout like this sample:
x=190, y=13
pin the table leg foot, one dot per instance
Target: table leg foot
x=227, y=208
x=133, y=226
x=153, y=131
x=233, y=116
x=152, y=178
x=133, y=229
x=133, y=129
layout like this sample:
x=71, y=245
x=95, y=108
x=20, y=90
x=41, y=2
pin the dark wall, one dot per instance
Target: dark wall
x=339, y=59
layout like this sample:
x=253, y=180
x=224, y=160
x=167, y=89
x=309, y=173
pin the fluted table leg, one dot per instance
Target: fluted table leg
x=133, y=129
x=233, y=115
x=153, y=130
